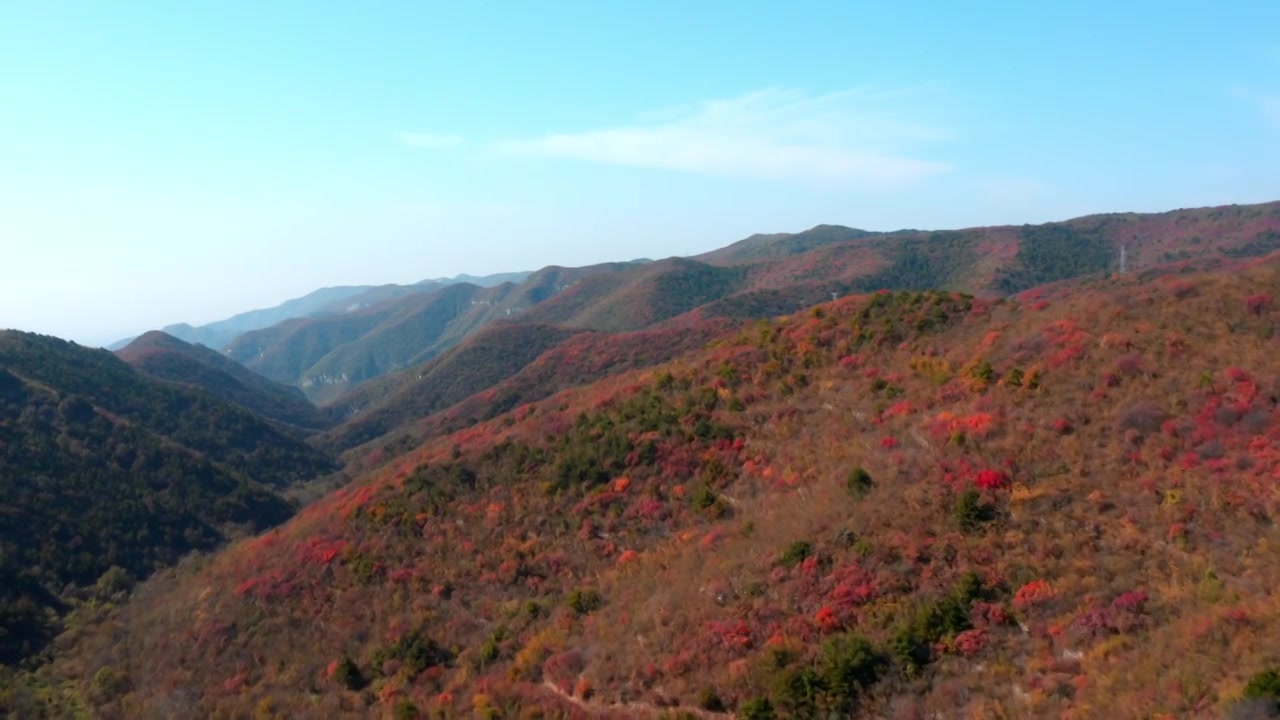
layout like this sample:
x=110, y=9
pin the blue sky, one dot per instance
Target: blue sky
x=164, y=162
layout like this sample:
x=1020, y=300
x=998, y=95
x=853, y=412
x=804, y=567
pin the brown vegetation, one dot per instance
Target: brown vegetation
x=893, y=505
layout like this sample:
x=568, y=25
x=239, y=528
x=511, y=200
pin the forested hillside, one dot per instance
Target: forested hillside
x=891, y=505
x=228, y=434
x=106, y=476
x=167, y=358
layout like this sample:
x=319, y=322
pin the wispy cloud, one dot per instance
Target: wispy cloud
x=428, y=141
x=846, y=137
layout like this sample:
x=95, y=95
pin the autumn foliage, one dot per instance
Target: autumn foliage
x=901, y=504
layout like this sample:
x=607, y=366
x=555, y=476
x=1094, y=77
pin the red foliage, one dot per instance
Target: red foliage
x=902, y=408
x=1257, y=304
x=888, y=443
x=651, y=509
x=1181, y=289
x=851, y=361
x=732, y=635
x=1066, y=355
x=320, y=551
x=984, y=614
x=1239, y=616
x=1132, y=601
x=851, y=591
x=235, y=683
x=828, y=620
x=389, y=693
x=970, y=642
x=991, y=480
x=564, y=668
x=1032, y=594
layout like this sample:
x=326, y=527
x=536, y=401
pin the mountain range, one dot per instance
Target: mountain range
x=322, y=302
x=994, y=472
x=337, y=338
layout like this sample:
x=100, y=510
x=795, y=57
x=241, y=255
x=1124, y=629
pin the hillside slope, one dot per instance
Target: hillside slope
x=1004, y=259
x=106, y=475
x=164, y=357
x=776, y=246
x=640, y=296
x=407, y=338
x=283, y=351
x=895, y=505
x=484, y=360
x=399, y=421
x=327, y=356
x=227, y=434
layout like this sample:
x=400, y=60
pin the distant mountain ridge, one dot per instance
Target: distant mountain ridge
x=328, y=355
x=330, y=300
x=381, y=330
x=361, y=332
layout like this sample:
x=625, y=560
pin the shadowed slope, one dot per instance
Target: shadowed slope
x=102, y=468
x=165, y=357
x=227, y=434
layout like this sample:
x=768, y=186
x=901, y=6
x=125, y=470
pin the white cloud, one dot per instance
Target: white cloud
x=846, y=137
x=429, y=141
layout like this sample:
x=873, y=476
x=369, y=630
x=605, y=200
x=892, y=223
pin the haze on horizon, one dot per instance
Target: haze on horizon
x=164, y=163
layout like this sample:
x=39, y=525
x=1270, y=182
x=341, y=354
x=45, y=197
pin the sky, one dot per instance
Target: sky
x=168, y=162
